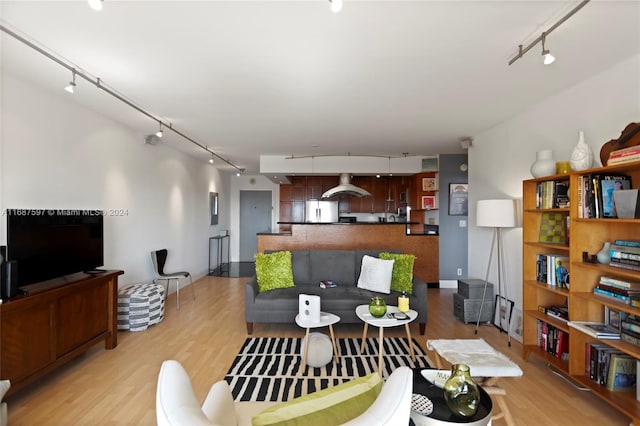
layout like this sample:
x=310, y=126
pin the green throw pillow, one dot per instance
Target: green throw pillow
x=402, y=274
x=274, y=271
x=332, y=406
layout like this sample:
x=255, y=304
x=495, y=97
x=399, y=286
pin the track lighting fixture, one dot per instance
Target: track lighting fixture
x=548, y=57
x=72, y=84
x=151, y=139
x=95, y=4
x=211, y=159
x=336, y=5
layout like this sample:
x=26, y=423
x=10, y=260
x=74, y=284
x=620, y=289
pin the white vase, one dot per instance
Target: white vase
x=603, y=255
x=582, y=155
x=544, y=165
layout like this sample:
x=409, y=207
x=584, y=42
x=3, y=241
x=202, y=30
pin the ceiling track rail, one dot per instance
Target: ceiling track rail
x=96, y=81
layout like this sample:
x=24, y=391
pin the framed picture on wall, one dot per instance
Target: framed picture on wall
x=428, y=202
x=458, y=199
x=430, y=184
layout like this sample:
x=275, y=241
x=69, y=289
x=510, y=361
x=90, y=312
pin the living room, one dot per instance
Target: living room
x=58, y=153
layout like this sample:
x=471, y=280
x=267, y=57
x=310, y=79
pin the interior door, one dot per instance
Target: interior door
x=255, y=217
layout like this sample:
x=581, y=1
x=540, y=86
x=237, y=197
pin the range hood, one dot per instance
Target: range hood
x=346, y=188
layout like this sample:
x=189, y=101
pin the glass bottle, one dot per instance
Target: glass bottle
x=460, y=392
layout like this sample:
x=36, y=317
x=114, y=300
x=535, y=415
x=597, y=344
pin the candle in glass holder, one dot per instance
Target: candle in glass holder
x=403, y=302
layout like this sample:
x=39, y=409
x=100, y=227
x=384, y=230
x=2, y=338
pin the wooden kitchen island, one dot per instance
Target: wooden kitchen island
x=350, y=236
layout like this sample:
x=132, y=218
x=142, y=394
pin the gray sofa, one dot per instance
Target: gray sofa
x=309, y=268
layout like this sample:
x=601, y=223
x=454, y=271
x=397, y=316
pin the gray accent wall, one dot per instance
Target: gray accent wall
x=453, y=236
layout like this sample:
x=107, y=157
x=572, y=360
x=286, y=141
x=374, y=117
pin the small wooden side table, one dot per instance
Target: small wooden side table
x=326, y=320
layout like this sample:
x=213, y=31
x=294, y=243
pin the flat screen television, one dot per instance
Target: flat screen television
x=48, y=244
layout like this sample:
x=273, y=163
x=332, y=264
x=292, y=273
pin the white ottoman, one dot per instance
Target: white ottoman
x=320, y=350
x=140, y=306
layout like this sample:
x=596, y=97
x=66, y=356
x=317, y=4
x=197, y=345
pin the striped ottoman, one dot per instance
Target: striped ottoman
x=140, y=306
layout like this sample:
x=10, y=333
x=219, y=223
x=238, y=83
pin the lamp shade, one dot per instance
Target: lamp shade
x=496, y=213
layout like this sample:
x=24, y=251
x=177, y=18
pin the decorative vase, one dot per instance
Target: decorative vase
x=377, y=307
x=460, y=392
x=603, y=255
x=544, y=164
x=582, y=155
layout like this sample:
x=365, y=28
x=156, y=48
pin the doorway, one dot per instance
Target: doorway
x=255, y=217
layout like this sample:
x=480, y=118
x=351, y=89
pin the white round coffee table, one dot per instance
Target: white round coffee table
x=362, y=311
x=326, y=320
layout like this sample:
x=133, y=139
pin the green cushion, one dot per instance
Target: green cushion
x=402, y=274
x=274, y=270
x=332, y=406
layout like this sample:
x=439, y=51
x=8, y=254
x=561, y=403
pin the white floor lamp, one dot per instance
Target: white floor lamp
x=496, y=214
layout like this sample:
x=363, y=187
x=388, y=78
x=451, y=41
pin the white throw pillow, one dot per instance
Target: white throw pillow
x=375, y=274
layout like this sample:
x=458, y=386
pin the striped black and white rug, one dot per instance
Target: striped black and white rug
x=269, y=368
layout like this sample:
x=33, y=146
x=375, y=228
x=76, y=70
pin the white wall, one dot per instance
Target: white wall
x=500, y=158
x=57, y=154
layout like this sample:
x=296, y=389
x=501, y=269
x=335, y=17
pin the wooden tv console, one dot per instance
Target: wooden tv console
x=54, y=322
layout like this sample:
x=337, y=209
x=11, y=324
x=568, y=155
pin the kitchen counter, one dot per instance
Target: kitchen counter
x=364, y=235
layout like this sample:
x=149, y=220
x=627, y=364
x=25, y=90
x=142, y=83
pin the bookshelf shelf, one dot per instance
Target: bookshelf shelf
x=585, y=235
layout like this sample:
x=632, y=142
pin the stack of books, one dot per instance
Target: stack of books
x=620, y=290
x=624, y=155
x=560, y=312
x=553, y=270
x=625, y=254
x=595, y=194
x=610, y=367
x=553, y=340
x=552, y=194
x=630, y=330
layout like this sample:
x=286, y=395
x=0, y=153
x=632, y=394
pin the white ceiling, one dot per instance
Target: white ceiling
x=291, y=78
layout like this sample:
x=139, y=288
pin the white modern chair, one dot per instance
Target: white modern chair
x=159, y=258
x=176, y=404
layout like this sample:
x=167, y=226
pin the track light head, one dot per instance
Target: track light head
x=72, y=84
x=95, y=4
x=548, y=57
x=159, y=133
x=211, y=160
x=70, y=87
x=336, y=5
x=151, y=140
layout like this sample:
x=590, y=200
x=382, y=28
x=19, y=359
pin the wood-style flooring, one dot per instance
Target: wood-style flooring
x=117, y=387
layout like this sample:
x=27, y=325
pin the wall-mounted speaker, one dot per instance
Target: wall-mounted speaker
x=9, y=275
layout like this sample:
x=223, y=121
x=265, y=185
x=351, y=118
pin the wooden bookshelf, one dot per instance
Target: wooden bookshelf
x=586, y=235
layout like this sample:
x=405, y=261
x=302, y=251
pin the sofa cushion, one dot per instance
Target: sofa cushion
x=274, y=271
x=402, y=274
x=334, y=265
x=375, y=274
x=331, y=406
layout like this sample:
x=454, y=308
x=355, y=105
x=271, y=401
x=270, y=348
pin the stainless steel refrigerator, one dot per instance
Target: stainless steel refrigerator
x=317, y=211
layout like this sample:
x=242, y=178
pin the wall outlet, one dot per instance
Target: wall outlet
x=459, y=272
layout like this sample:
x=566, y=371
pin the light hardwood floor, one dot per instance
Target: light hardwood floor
x=117, y=387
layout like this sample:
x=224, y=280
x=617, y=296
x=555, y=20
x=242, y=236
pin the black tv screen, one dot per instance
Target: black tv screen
x=51, y=243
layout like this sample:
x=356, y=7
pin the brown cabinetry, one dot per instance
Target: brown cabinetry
x=58, y=320
x=586, y=235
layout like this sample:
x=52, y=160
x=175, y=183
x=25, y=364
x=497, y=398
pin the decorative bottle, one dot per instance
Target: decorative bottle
x=603, y=255
x=544, y=165
x=460, y=392
x=582, y=155
x=403, y=302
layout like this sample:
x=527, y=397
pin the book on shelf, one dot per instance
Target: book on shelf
x=560, y=312
x=598, y=330
x=599, y=291
x=617, y=290
x=624, y=264
x=622, y=370
x=552, y=340
x=624, y=159
x=553, y=228
x=616, y=282
x=624, y=152
x=552, y=194
x=597, y=189
x=628, y=243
